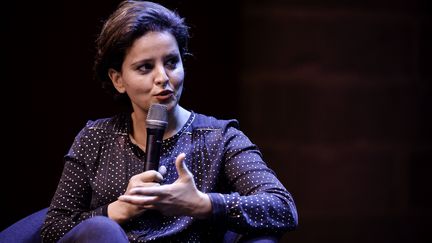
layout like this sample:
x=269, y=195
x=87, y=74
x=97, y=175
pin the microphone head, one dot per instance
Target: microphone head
x=157, y=117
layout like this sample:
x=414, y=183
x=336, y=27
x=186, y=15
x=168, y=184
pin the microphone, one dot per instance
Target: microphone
x=156, y=122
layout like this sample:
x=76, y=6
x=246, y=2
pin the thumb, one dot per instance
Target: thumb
x=181, y=167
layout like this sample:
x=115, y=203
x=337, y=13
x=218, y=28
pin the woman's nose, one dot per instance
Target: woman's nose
x=161, y=76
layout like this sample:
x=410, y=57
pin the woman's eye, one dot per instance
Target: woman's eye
x=172, y=62
x=145, y=67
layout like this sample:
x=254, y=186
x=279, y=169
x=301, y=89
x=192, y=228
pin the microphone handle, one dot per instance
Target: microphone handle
x=153, y=147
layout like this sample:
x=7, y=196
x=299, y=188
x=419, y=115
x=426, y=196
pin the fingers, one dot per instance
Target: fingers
x=153, y=175
x=145, y=177
x=144, y=195
x=147, y=184
x=182, y=170
x=150, y=191
x=140, y=200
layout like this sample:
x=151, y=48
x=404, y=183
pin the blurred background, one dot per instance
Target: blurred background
x=337, y=94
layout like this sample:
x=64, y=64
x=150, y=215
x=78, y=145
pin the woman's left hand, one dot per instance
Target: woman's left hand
x=176, y=199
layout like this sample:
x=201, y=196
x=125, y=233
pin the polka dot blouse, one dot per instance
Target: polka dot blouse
x=246, y=196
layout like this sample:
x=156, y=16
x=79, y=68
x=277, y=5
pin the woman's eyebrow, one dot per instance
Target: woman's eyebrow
x=141, y=62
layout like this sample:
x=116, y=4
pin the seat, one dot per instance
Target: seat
x=27, y=230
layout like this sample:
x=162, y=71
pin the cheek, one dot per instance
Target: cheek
x=138, y=83
x=178, y=78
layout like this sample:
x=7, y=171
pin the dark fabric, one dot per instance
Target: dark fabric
x=98, y=229
x=26, y=230
x=245, y=194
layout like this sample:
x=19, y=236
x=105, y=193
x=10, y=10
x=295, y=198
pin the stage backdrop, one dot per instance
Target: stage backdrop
x=336, y=94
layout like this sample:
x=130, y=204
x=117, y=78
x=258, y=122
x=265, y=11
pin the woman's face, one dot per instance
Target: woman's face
x=152, y=72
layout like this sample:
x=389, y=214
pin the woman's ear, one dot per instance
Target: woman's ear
x=117, y=80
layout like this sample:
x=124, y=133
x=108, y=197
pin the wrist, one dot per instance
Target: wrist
x=204, y=208
x=117, y=211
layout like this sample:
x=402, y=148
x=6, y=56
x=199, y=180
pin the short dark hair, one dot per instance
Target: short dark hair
x=131, y=20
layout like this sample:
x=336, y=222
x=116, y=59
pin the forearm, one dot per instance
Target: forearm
x=59, y=221
x=122, y=212
x=260, y=201
x=70, y=204
x=263, y=212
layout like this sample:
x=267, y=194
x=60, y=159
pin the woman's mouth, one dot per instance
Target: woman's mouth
x=164, y=95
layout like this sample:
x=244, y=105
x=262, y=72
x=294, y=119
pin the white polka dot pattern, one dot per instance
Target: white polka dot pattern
x=246, y=196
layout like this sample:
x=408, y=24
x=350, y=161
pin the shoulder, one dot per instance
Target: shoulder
x=225, y=132
x=97, y=132
x=118, y=124
x=209, y=122
x=214, y=129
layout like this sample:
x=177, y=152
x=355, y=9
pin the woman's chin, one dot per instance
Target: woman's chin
x=170, y=105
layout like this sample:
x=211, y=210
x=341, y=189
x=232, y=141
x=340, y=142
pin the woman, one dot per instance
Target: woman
x=212, y=178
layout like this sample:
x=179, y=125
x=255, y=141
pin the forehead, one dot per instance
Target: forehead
x=153, y=44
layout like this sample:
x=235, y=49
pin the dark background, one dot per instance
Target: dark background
x=337, y=94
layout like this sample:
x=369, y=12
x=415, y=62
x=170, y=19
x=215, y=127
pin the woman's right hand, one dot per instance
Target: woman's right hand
x=120, y=211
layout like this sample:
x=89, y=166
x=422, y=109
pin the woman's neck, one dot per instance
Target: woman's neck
x=177, y=117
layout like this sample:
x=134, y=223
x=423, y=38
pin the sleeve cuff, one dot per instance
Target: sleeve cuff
x=219, y=212
x=101, y=211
